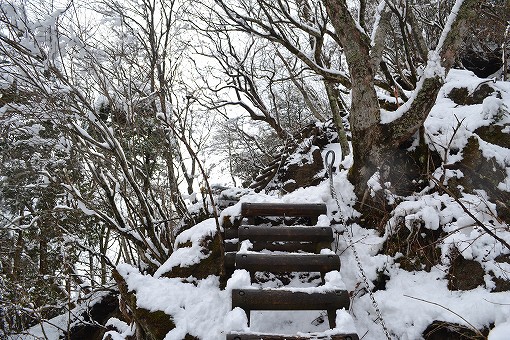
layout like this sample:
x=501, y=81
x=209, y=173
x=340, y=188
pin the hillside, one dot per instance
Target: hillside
x=438, y=263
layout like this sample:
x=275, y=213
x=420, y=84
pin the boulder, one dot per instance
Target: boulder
x=464, y=274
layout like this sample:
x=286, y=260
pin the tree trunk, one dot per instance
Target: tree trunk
x=43, y=255
x=337, y=118
x=378, y=147
x=365, y=112
x=103, y=247
x=17, y=268
x=91, y=270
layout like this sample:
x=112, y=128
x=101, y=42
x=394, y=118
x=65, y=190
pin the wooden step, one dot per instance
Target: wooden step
x=289, y=247
x=284, y=233
x=287, y=263
x=280, y=238
x=289, y=337
x=283, y=209
x=230, y=233
x=278, y=299
x=230, y=247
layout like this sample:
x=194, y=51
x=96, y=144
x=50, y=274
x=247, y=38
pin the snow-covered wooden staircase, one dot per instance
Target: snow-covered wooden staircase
x=302, y=248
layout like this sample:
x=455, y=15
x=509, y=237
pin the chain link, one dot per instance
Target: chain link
x=329, y=165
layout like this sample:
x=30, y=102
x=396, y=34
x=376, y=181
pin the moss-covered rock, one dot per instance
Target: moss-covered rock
x=201, y=243
x=151, y=325
x=212, y=264
x=461, y=95
x=94, y=318
x=501, y=284
x=154, y=324
x=494, y=134
x=482, y=173
x=300, y=164
x=303, y=173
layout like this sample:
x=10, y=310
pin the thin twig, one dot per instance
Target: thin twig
x=497, y=303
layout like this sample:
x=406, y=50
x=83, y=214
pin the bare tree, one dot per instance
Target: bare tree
x=305, y=51
x=102, y=91
x=395, y=60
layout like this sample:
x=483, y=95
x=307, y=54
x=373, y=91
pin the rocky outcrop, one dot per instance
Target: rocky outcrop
x=300, y=165
x=483, y=172
x=417, y=248
x=461, y=95
x=210, y=265
x=89, y=323
x=464, y=274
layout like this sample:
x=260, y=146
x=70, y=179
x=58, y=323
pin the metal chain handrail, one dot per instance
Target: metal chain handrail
x=330, y=160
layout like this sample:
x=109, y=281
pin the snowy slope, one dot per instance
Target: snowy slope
x=410, y=300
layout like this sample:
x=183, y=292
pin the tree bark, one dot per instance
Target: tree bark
x=365, y=112
x=337, y=118
x=17, y=268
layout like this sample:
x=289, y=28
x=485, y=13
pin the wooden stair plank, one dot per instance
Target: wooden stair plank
x=290, y=247
x=230, y=261
x=253, y=262
x=283, y=209
x=309, y=234
x=230, y=247
x=229, y=234
x=293, y=239
x=281, y=233
x=279, y=299
x=248, y=336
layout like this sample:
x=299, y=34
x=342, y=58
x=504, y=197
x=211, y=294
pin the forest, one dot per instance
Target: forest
x=131, y=131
